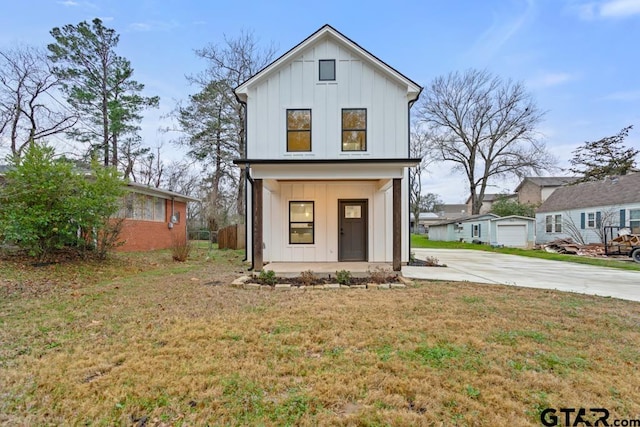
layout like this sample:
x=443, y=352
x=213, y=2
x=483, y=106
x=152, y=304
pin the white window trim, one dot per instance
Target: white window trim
x=553, y=223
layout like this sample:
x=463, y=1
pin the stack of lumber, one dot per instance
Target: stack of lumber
x=625, y=242
x=568, y=246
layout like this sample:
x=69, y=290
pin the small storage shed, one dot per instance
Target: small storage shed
x=513, y=231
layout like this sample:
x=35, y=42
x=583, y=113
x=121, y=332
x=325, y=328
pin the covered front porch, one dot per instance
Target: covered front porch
x=327, y=212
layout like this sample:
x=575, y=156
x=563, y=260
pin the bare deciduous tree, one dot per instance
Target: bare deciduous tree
x=486, y=126
x=29, y=110
x=231, y=64
x=419, y=148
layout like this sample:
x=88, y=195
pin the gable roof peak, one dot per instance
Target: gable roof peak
x=413, y=89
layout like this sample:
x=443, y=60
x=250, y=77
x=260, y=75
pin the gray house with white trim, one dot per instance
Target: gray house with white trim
x=581, y=211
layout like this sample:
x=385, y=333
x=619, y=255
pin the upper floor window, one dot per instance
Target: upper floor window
x=591, y=220
x=298, y=130
x=327, y=70
x=354, y=129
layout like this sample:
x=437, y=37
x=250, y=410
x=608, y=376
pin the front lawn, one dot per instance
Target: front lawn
x=624, y=263
x=143, y=340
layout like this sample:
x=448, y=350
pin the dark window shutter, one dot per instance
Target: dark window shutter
x=598, y=219
x=582, y=220
x=623, y=219
x=479, y=230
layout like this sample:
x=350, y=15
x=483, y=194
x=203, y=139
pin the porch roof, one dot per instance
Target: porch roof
x=339, y=169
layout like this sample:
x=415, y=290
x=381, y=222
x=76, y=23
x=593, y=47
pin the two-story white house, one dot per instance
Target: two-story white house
x=327, y=152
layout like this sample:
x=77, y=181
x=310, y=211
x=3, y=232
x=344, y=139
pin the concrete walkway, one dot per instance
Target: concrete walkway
x=489, y=267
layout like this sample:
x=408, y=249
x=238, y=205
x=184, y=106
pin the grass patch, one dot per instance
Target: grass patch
x=512, y=337
x=421, y=241
x=144, y=340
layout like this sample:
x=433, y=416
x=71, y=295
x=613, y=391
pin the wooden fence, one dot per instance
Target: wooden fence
x=231, y=237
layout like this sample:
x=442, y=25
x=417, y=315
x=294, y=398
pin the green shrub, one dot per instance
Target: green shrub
x=343, y=277
x=267, y=277
x=46, y=204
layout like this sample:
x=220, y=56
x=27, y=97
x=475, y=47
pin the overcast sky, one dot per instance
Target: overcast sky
x=579, y=58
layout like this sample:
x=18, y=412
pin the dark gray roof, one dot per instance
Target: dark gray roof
x=548, y=181
x=611, y=191
x=492, y=197
x=468, y=218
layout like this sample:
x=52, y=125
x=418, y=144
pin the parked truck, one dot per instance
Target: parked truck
x=621, y=241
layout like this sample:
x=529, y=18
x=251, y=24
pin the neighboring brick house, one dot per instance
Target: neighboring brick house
x=153, y=218
x=535, y=190
x=488, y=201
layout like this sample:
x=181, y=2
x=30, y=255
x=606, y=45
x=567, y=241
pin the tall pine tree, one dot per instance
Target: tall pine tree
x=99, y=85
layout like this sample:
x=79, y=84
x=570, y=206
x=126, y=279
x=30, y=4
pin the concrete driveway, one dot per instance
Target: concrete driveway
x=489, y=267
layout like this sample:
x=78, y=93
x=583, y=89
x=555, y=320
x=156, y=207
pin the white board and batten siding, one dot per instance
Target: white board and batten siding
x=358, y=84
x=325, y=196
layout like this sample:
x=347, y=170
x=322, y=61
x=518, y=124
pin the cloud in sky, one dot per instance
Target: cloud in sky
x=502, y=30
x=620, y=8
x=609, y=9
x=153, y=26
x=550, y=79
x=631, y=95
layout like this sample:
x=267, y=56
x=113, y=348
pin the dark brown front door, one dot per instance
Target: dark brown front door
x=352, y=230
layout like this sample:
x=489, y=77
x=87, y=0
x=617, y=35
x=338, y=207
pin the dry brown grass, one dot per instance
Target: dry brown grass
x=163, y=343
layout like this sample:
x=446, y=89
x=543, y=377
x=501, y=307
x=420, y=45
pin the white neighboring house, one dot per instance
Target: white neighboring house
x=582, y=210
x=327, y=155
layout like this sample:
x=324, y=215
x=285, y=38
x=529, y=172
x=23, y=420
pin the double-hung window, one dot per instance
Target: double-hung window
x=299, y=130
x=591, y=220
x=634, y=220
x=301, y=222
x=553, y=223
x=354, y=129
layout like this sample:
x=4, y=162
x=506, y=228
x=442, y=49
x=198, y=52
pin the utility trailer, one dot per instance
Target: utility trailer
x=620, y=241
